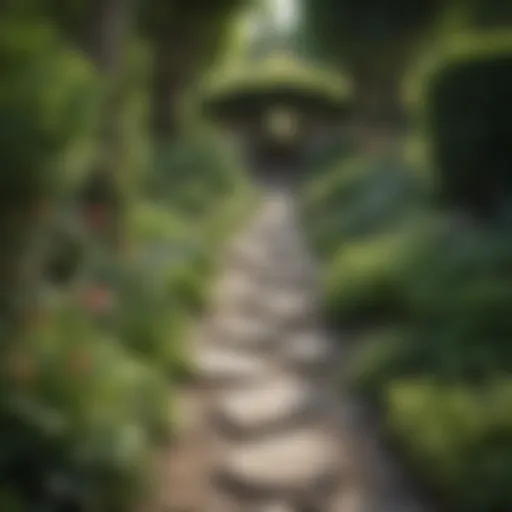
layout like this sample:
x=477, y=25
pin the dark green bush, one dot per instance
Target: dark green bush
x=362, y=283
x=467, y=114
x=441, y=374
x=78, y=413
x=383, y=356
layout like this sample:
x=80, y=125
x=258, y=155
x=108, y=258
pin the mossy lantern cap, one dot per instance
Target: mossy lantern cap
x=278, y=79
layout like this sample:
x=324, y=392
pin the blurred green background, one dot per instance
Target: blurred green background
x=117, y=192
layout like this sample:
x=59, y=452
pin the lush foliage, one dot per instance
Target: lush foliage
x=94, y=336
x=428, y=291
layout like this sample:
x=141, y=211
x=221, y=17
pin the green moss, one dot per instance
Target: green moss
x=276, y=79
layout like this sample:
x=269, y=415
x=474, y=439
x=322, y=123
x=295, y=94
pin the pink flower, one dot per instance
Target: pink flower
x=96, y=217
x=99, y=299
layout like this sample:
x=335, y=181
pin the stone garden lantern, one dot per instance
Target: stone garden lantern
x=279, y=109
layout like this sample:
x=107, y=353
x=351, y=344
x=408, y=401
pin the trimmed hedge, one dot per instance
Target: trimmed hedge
x=466, y=108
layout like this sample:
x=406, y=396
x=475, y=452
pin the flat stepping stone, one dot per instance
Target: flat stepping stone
x=278, y=234
x=250, y=258
x=289, y=305
x=220, y=364
x=272, y=253
x=236, y=293
x=220, y=503
x=286, y=272
x=306, y=349
x=277, y=402
x=288, y=252
x=250, y=253
x=234, y=284
x=246, y=332
x=290, y=464
x=273, y=506
x=292, y=266
x=269, y=249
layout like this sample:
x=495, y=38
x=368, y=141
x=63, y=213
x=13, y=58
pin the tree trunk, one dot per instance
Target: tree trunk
x=168, y=85
x=108, y=34
x=189, y=41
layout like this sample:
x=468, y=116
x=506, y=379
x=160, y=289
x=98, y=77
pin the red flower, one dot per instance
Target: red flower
x=99, y=299
x=95, y=217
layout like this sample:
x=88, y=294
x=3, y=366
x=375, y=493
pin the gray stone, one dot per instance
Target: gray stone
x=251, y=257
x=236, y=293
x=214, y=363
x=275, y=506
x=248, y=332
x=293, y=462
x=286, y=272
x=289, y=305
x=250, y=247
x=307, y=348
x=276, y=401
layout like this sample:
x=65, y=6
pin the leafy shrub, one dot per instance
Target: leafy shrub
x=459, y=439
x=78, y=412
x=363, y=282
x=438, y=373
x=358, y=198
x=384, y=355
x=429, y=291
x=85, y=401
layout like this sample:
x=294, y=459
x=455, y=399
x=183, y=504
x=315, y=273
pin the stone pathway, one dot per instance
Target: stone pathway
x=268, y=433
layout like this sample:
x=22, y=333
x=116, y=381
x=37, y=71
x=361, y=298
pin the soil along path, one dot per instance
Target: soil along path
x=268, y=430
